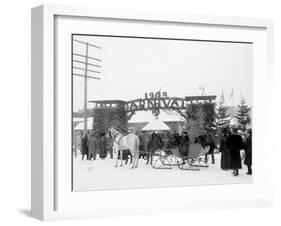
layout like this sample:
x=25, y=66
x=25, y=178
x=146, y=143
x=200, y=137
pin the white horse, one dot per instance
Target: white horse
x=123, y=142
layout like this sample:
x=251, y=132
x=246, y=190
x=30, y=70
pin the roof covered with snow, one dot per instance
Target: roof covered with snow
x=147, y=116
x=156, y=125
x=80, y=125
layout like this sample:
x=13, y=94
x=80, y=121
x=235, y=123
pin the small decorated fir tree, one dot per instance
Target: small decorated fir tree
x=243, y=115
x=222, y=116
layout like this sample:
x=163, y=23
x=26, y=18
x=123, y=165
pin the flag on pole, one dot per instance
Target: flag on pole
x=202, y=91
x=241, y=95
x=231, y=95
x=222, y=97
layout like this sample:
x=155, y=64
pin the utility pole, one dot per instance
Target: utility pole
x=86, y=90
x=85, y=68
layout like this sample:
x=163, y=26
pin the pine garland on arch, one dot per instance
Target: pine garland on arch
x=199, y=117
x=106, y=117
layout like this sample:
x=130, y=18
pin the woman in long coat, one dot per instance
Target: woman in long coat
x=84, y=146
x=225, y=152
x=235, y=145
x=92, y=144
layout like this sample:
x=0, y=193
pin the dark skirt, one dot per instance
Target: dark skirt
x=84, y=146
x=235, y=160
x=103, y=150
x=225, y=159
x=211, y=150
x=103, y=153
x=248, y=159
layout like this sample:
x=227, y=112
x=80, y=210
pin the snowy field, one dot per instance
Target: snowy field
x=101, y=175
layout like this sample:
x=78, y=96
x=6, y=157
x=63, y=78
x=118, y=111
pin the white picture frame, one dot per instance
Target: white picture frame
x=52, y=197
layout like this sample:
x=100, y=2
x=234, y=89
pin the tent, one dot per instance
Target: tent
x=156, y=125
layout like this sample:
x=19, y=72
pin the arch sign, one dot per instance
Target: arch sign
x=155, y=101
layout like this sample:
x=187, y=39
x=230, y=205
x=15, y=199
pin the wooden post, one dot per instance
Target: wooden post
x=85, y=90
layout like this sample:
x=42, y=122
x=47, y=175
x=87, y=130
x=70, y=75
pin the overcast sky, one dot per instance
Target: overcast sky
x=133, y=66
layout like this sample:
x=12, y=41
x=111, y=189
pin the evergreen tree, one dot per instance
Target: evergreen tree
x=243, y=115
x=222, y=116
x=195, y=120
x=198, y=118
x=209, y=110
x=106, y=117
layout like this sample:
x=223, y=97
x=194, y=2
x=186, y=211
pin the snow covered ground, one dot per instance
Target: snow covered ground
x=101, y=175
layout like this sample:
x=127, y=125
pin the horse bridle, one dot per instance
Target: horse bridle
x=114, y=137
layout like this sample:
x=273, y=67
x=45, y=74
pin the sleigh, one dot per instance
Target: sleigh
x=172, y=157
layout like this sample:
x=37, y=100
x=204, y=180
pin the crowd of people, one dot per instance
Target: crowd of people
x=230, y=144
x=94, y=144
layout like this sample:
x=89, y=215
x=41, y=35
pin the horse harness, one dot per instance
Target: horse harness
x=118, y=142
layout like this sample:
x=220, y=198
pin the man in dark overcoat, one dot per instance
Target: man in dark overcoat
x=248, y=152
x=211, y=142
x=225, y=153
x=84, y=146
x=235, y=145
x=103, y=151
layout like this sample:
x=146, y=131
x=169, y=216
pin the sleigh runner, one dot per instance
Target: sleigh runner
x=168, y=158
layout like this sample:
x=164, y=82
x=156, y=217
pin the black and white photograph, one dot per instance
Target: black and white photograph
x=151, y=112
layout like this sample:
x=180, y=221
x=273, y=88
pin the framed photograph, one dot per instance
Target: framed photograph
x=137, y=112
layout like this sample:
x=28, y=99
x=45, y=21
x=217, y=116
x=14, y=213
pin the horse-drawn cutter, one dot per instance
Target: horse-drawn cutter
x=172, y=157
